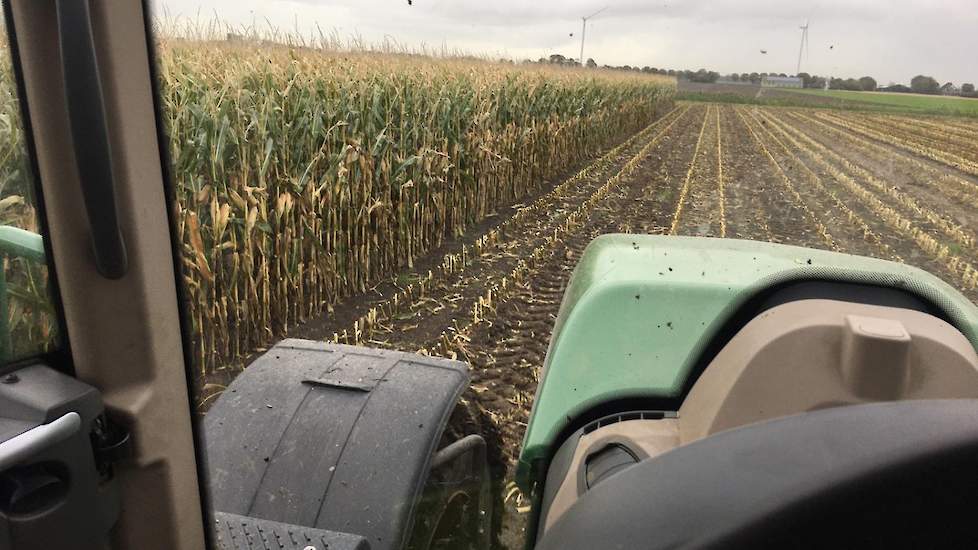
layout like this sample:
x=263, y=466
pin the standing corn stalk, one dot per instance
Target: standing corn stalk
x=305, y=176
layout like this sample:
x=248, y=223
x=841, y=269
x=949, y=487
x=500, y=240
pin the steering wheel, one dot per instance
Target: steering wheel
x=896, y=474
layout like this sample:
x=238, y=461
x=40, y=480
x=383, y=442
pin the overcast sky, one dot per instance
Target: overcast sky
x=889, y=40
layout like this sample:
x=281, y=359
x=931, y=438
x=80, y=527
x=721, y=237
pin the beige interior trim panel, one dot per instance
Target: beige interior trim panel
x=794, y=358
x=125, y=334
x=813, y=354
x=648, y=438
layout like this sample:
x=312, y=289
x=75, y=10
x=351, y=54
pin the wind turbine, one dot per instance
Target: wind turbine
x=804, y=45
x=584, y=30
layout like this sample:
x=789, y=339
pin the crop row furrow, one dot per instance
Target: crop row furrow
x=957, y=266
x=949, y=159
x=799, y=201
x=721, y=192
x=955, y=231
x=918, y=132
x=945, y=128
x=816, y=181
x=960, y=189
x=747, y=207
x=681, y=202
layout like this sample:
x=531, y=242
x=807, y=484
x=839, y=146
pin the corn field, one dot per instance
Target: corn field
x=30, y=317
x=305, y=176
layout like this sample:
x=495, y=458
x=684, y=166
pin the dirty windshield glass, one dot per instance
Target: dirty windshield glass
x=424, y=176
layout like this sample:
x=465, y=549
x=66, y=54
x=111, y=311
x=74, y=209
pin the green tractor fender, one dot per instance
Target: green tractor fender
x=15, y=243
x=641, y=311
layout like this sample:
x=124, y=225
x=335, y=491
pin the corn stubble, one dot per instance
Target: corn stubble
x=304, y=176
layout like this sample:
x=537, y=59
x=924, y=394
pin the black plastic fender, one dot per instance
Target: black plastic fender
x=331, y=437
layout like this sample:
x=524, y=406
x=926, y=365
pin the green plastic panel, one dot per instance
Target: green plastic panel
x=14, y=243
x=641, y=308
x=18, y=243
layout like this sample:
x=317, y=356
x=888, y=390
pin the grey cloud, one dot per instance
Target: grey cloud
x=515, y=13
x=888, y=39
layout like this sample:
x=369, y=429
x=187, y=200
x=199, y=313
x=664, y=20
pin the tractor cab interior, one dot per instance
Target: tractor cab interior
x=270, y=288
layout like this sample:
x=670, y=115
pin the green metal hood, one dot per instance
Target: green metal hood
x=640, y=309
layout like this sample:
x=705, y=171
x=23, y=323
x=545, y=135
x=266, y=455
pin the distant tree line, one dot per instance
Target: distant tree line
x=557, y=59
x=920, y=84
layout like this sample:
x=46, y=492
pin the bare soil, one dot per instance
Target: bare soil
x=746, y=90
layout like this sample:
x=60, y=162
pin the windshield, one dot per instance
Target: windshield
x=28, y=318
x=424, y=175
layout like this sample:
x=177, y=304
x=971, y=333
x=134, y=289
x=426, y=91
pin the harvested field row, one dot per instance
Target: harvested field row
x=917, y=233
x=959, y=141
x=902, y=140
x=926, y=179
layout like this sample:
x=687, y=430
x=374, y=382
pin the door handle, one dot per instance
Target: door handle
x=32, y=442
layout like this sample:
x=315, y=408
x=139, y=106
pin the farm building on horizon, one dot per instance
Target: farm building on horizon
x=782, y=82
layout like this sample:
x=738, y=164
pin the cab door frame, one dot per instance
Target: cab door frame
x=127, y=335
